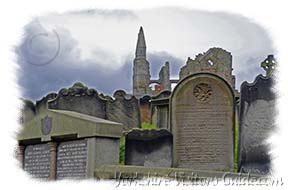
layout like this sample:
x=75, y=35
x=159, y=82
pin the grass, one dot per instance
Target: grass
x=236, y=142
x=145, y=125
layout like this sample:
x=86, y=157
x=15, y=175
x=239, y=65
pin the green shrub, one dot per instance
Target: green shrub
x=145, y=125
x=122, y=150
x=236, y=142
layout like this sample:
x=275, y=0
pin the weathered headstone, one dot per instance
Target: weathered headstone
x=122, y=108
x=202, y=123
x=81, y=99
x=148, y=147
x=257, y=104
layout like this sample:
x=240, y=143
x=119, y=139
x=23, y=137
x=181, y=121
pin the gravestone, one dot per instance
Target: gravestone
x=80, y=98
x=202, y=123
x=122, y=108
x=257, y=104
x=148, y=147
x=37, y=160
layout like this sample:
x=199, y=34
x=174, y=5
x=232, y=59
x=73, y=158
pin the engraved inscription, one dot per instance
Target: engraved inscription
x=202, y=92
x=202, y=136
x=37, y=160
x=71, y=159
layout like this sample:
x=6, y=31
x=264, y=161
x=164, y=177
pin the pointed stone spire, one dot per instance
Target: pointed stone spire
x=141, y=45
x=141, y=68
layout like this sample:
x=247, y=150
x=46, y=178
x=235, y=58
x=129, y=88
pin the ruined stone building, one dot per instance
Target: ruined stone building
x=215, y=60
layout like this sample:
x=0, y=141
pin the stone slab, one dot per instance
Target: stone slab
x=137, y=172
x=72, y=159
x=37, y=160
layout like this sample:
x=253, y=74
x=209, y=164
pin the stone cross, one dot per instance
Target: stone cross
x=269, y=65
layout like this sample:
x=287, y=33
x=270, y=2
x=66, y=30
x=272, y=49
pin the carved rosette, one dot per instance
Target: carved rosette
x=202, y=92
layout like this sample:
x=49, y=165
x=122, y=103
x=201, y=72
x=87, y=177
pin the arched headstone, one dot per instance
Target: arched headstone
x=202, y=123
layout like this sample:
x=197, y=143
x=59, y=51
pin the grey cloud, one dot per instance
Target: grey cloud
x=67, y=68
x=39, y=44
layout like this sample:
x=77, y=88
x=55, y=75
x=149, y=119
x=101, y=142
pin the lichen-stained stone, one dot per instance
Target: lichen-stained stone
x=202, y=123
x=257, y=112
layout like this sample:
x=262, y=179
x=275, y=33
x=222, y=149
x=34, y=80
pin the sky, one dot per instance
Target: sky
x=97, y=47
